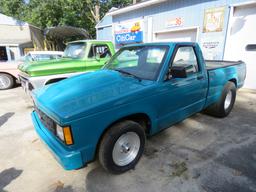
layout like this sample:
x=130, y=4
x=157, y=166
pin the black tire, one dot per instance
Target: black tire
x=9, y=83
x=218, y=109
x=109, y=140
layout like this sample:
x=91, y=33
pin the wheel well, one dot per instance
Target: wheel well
x=234, y=81
x=54, y=81
x=9, y=74
x=140, y=118
x=14, y=78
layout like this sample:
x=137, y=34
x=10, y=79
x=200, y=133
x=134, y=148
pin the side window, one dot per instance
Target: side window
x=101, y=50
x=186, y=57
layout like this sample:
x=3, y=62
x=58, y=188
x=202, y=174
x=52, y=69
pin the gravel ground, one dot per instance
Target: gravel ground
x=202, y=153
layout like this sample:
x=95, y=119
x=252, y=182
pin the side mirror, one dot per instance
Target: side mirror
x=178, y=72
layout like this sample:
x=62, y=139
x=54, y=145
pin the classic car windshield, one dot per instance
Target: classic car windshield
x=143, y=62
x=75, y=50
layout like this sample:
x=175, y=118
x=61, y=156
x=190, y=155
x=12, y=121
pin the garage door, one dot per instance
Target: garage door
x=241, y=41
x=184, y=35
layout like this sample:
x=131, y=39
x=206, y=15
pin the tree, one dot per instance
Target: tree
x=49, y=13
x=14, y=8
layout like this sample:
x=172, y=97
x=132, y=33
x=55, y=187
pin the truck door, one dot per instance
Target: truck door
x=99, y=54
x=183, y=96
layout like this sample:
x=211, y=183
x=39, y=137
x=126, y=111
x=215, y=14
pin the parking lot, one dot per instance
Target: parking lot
x=202, y=153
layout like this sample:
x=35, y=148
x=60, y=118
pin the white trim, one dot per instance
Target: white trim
x=103, y=26
x=9, y=44
x=230, y=21
x=135, y=6
x=150, y=29
x=243, y=4
x=113, y=35
x=177, y=30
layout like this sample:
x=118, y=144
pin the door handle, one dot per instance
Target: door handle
x=200, y=77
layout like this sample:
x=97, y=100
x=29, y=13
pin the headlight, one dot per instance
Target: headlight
x=64, y=133
x=59, y=132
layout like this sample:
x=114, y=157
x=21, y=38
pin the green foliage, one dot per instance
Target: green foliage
x=14, y=8
x=49, y=13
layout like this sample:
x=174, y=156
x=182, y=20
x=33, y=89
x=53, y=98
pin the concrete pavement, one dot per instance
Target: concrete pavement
x=202, y=153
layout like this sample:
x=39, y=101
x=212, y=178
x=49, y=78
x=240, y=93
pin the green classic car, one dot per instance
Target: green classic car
x=79, y=57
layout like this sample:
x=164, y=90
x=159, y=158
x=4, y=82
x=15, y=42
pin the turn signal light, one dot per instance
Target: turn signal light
x=68, y=135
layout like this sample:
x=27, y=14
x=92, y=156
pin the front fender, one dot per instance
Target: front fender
x=88, y=131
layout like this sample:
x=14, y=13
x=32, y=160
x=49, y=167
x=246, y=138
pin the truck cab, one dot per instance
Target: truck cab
x=79, y=57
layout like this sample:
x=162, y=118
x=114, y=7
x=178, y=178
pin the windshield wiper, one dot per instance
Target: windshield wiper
x=128, y=73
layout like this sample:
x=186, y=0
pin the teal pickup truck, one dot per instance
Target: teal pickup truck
x=142, y=90
x=79, y=57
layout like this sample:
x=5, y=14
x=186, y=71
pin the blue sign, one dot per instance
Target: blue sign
x=131, y=37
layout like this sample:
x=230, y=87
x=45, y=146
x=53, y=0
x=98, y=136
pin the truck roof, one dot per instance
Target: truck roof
x=163, y=43
x=46, y=52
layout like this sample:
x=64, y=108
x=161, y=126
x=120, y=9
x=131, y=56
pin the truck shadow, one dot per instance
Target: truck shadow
x=64, y=189
x=7, y=176
x=100, y=180
x=4, y=118
x=218, y=153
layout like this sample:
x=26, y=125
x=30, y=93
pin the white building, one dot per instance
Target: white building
x=225, y=29
x=17, y=37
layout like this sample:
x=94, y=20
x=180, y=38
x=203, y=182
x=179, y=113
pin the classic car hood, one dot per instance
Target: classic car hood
x=87, y=94
x=64, y=65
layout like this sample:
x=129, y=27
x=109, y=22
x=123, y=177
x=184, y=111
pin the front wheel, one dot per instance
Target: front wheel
x=6, y=81
x=122, y=147
x=225, y=104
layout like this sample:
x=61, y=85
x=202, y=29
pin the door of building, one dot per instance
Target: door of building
x=241, y=40
x=189, y=35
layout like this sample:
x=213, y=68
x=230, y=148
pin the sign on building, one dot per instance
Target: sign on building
x=212, y=47
x=214, y=19
x=174, y=22
x=128, y=32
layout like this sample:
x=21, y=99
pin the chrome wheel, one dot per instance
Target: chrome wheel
x=228, y=100
x=126, y=148
x=5, y=82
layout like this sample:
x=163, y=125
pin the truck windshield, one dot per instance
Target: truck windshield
x=143, y=62
x=75, y=50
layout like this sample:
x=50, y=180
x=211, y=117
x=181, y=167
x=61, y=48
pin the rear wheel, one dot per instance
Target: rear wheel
x=122, y=147
x=225, y=104
x=6, y=81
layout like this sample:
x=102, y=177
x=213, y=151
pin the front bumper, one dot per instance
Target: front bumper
x=68, y=159
x=24, y=81
x=30, y=83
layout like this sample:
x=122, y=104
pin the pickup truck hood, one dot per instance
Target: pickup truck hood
x=87, y=94
x=51, y=67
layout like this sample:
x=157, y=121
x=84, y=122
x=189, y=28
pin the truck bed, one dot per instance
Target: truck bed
x=215, y=64
x=219, y=73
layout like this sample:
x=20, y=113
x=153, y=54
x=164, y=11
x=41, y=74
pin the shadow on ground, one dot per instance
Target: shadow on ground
x=7, y=176
x=209, y=154
x=64, y=189
x=4, y=118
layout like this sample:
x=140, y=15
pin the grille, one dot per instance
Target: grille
x=23, y=81
x=46, y=121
